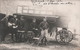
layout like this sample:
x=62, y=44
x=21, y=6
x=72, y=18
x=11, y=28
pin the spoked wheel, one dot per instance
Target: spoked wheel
x=64, y=38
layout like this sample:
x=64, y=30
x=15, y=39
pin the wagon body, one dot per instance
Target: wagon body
x=54, y=21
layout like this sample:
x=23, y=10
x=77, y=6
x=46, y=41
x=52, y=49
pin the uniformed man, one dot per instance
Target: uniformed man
x=34, y=27
x=21, y=24
x=44, y=26
x=12, y=24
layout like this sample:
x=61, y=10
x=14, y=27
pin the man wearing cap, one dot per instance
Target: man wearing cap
x=12, y=24
x=34, y=27
x=44, y=29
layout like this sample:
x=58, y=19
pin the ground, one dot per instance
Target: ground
x=52, y=45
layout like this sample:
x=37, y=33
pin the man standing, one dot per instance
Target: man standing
x=44, y=29
x=21, y=24
x=12, y=24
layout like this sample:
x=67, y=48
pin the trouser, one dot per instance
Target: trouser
x=44, y=33
x=21, y=36
x=35, y=32
x=14, y=34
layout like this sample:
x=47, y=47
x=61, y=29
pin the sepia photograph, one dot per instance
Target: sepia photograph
x=39, y=24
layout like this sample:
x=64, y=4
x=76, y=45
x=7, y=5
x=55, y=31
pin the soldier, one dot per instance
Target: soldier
x=44, y=30
x=34, y=27
x=12, y=24
x=21, y=24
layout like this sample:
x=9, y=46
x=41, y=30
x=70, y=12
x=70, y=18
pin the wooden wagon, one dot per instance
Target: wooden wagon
x=54, y=23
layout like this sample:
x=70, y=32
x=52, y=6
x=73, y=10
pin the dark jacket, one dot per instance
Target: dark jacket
x=44, y=25
x=33, y=25
x=21, y=24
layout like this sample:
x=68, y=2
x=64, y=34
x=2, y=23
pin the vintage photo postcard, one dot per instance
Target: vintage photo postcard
x=39, y=24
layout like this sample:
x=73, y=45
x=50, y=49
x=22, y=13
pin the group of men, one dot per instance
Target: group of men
x=15, y=24
x=43, y=27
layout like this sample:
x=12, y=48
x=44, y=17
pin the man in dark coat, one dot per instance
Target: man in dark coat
x=13, y=24
x=44, y=26
x=21, y=27
x=34, y=27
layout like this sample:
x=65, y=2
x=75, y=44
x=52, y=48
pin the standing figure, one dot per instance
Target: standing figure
x=21, y=23
x=44, y=30
x=13, y=24
x=21, y=29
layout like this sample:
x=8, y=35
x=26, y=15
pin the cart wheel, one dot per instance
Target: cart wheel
x=70, y=36
x=58, y=38
x=64, y=38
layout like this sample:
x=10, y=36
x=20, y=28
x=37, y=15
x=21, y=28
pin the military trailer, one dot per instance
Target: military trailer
x=54, y=23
